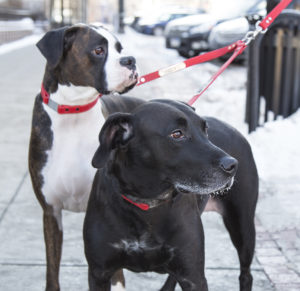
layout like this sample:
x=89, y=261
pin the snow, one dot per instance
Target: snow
x=276, y=148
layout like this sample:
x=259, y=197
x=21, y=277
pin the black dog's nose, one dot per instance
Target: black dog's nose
x=128, y=62
x=229, y=165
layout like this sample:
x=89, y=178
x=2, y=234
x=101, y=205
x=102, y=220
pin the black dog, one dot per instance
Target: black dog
x=156, y=170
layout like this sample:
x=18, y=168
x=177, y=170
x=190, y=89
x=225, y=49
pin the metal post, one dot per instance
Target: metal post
x=121, y=16
x=252, y=105
x=51, y=11
x=62, y=12
x=83, y=11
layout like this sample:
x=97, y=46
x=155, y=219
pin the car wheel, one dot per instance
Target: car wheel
x=183, y=54
x=187, y=54
x=158, y=31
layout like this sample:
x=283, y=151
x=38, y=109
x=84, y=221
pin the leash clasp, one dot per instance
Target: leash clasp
x=251, y=35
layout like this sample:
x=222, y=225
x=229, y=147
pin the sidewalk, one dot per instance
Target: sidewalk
x=22, y=254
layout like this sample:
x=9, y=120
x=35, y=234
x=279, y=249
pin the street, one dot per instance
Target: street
x=276, y=265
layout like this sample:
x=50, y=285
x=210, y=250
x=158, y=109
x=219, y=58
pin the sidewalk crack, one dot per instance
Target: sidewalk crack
x=11, y=201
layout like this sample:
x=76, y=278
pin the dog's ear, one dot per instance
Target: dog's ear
x=55, y=42
x=115, y=133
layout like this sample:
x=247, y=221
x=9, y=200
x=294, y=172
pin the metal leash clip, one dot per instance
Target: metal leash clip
x=251, y=35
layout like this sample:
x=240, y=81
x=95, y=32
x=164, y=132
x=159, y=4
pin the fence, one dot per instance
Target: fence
x=13, y=30
x=273, y=87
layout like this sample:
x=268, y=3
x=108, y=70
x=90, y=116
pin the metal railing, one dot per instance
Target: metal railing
x=273, y=87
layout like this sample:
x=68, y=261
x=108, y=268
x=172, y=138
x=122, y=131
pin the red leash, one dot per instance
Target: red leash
x=237, y=48
x=187, y=63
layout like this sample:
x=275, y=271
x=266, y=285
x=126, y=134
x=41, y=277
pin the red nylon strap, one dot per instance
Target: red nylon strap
x=45, y=95
x=67, y=109
x=268, y=20
x=142, y=206
x=187, y=63
x=239, y=49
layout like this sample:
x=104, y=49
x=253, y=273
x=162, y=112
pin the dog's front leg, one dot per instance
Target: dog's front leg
x=96, y=284
x=190, y=275
x=198, y=284
x=170, y=284
x=53, y=236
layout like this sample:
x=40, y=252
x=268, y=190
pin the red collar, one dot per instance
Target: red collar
x=66, y=109
x=145, y=203
x=142, y=206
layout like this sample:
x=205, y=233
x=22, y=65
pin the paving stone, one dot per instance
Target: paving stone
x=288, y=277
x=287, y=287
x=268, y=252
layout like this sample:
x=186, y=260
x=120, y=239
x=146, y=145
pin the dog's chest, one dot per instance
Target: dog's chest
x=142, y=255
x=68, y=173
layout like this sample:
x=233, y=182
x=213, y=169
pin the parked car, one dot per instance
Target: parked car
x=191, y=38
x=232, y=30
x=178, y=34
x=155, y=25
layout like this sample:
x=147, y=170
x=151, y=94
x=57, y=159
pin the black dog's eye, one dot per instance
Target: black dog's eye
x=99, y=51
x=177, y=134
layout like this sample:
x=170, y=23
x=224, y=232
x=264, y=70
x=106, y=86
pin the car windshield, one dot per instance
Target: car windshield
x=232, y=9
x=257, y=7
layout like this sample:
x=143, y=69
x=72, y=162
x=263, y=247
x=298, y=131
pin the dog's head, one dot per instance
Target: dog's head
x=87, y=55
x=162, y=146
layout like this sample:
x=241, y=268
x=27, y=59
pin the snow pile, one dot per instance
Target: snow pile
x=276, y=148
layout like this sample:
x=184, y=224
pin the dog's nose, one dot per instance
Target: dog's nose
x=229, y=165
x=128, y=62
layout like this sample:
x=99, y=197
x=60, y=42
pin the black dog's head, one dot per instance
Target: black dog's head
x=85, y=55
x=162, y=146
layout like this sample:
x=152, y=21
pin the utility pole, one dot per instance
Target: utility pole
x=62, y=13
x=121, y=17
x=83, y=11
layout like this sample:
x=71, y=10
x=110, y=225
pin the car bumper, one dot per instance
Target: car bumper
x=197, y=42
x=216, y=43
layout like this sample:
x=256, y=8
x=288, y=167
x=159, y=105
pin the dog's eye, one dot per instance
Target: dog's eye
x=99, y=51
x=177, y=134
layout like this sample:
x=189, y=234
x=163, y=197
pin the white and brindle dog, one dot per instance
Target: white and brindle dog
x=82, y=62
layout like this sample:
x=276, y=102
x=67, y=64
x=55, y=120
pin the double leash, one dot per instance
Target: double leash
x=237, y=48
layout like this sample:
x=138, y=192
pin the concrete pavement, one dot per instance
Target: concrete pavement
x=22, y=254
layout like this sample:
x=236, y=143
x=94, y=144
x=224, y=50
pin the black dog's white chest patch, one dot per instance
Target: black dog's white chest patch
x=142, y=256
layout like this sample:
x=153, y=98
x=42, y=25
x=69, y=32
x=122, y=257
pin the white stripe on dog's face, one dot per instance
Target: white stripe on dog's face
x=118, y=77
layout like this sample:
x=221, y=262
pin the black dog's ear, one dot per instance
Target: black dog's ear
x=116, y=132
x=185, y=103
x=55, y=42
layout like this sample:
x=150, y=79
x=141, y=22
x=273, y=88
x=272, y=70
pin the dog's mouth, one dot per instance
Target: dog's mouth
x=134, y=76
x=127, y=85
x=191, y=188
x=223, y=190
